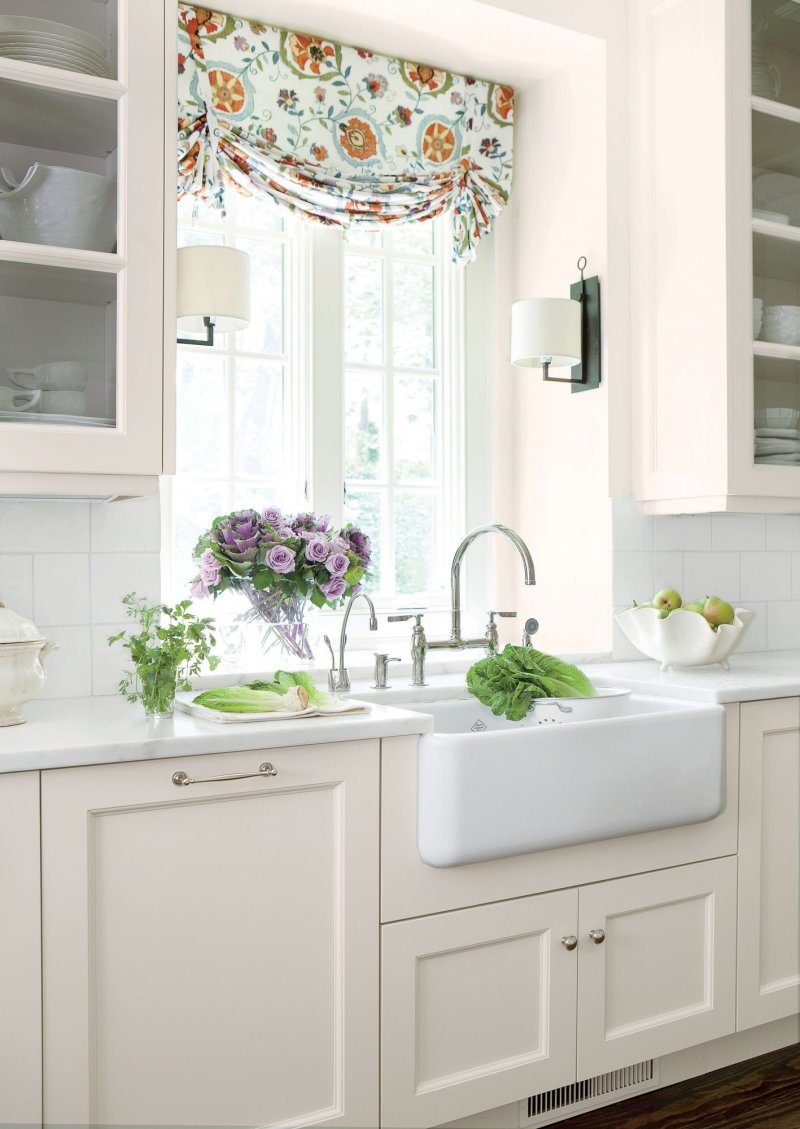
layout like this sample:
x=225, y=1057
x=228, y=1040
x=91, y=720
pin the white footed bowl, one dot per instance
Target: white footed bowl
x=683, y=638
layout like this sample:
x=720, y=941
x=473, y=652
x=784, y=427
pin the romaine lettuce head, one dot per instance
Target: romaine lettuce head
x=510, y=682
x=285, y=680
x=244, y=699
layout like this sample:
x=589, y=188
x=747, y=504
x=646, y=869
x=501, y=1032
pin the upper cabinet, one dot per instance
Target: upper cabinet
x=83, y=151
x=715, y=318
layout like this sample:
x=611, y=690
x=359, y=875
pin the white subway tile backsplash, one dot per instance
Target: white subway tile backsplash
x=622, y=650
x=766, y=576
x=69, y=669
x=132, y=526
x=711, y=574
x=116, y=574
x=783, y=625
x=108, y=661
x=783, y=531
x=668, y=571
x=755, y=638
x=61, y=588
x=16, y=583
x=738, y=531
x=633, y=578
x=44, y=527
x=691, y=532
x=632, y=529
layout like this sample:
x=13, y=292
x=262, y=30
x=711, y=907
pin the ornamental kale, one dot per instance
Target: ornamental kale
x=510, y=682
x=298, y=557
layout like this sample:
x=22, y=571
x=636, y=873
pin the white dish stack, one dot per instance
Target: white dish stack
x=777, y=438
x=52, y=45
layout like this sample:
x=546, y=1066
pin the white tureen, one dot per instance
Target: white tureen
x=22, y=653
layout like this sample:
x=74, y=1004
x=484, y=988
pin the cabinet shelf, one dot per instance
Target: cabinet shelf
x=60, y=81
x=777, y=352
x=776, y=251
x=775, y=109
x=58, y=274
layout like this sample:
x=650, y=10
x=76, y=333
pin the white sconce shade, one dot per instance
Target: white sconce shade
x=546, y=331
x=213, y=282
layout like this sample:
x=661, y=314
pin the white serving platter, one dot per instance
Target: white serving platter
x=184, y=701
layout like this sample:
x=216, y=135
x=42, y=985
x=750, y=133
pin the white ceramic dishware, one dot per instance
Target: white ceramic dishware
x=23, y=650
x=55, y=376
x=777, y=417
x=781, y=325
x=61, y=403
x=17, y=400
x=684, y=638
x=758, y=316
x=60, y=207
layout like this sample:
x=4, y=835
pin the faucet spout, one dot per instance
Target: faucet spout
x=455, y=572
x=339, y=680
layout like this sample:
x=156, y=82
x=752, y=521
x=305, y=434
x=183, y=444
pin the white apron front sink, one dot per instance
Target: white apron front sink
x=491, y=788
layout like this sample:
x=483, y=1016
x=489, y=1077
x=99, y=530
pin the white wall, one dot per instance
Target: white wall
x=66, y=566
x=749, y=560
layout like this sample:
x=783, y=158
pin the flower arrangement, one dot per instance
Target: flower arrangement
x=279, y=563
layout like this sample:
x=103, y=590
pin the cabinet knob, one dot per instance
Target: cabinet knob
x=569, y=943
x=597, y=935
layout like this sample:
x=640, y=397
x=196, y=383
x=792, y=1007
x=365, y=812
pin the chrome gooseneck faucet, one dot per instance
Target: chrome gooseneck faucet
x=456, y=641
x=339, y=678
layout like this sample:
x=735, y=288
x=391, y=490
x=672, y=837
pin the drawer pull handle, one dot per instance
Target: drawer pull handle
x=183, y=781
x=570, y=942
x=597, y=935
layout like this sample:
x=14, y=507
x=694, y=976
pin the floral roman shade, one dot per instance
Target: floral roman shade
x=340, y=134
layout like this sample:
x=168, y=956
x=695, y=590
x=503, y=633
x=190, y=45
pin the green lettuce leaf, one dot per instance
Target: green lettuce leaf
x=284, y=680
x=244, y=699
x=509, y=683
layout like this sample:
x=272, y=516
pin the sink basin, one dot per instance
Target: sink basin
x=491, y=788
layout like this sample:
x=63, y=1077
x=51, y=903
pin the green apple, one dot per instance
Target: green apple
x=717, y=612
x=667, y=600
x=698, y=606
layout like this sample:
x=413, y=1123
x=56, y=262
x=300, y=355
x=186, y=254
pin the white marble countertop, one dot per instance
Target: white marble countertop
x=763, y=674
x=63, y=733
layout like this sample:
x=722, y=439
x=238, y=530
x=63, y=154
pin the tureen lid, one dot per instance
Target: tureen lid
x=15, y=629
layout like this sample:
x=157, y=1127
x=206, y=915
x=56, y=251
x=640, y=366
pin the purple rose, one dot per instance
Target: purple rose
x=280, y=559
x=334, y=588
x=311, y=523
x=198, y=590
x=337, y=564
x=316, y=550
x=210, y=568
x=273, y=516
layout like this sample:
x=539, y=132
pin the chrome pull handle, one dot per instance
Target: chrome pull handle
x=570, y=942
x=182, y=780
x=597, y=935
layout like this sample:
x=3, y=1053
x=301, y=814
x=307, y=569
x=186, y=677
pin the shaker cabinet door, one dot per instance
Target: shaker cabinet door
x=769, y=863
x=211, y=949
x=659, y=973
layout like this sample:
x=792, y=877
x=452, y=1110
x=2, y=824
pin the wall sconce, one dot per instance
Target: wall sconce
x=213, y=291
x=560, y=332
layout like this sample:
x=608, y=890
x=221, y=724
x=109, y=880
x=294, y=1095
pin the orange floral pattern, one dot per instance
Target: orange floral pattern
x=343, y=135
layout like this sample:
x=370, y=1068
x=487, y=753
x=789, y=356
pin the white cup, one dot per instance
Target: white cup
x=55, y=376
x=66, y=403
x=16, y=400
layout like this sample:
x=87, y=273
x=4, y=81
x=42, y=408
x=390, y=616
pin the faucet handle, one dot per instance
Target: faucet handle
x=406, y=614
x=502, y=615
x=382, y=670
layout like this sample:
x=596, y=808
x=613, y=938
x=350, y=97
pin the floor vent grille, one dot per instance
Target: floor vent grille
x=604, y=1089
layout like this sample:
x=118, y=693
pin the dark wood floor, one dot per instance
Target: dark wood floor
x=762, y=1093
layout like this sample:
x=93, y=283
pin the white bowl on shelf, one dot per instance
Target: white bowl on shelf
x=778, y=192
x=60, y=207
x=781, y=325
x=777, y=417
x=758, y=316
x=684, y=638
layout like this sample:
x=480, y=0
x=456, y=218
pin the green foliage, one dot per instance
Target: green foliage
x=171, y=646
x=510, y=682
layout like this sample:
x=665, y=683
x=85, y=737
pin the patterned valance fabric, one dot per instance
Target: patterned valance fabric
x=340, y=134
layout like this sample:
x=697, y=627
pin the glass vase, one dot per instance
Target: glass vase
x=282, y=622
x=158, y=692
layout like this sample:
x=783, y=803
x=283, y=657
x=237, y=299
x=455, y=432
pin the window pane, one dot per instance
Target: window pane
x=364, y=237
x=202, y=418
x=366, y=511
x=258, y=419
x=413, y=315
x=194, y=506
x=195, y=237
x=254, y=211
x=414, y=427
x=363, y=415
x=415, y=539
x=413, y=238
x=363, y=304
x=265, y=333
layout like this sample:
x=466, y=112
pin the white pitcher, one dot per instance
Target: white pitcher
x=60, y=207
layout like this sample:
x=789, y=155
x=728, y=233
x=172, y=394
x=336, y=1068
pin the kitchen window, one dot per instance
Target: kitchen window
x=348, y=394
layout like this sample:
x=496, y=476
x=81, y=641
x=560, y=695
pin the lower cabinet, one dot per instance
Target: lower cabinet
x=489, y=1005
x=211, y=948
x=769, y=862
x=20, y=940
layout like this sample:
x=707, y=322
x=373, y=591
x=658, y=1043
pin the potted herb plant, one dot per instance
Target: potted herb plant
x=171, y=645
